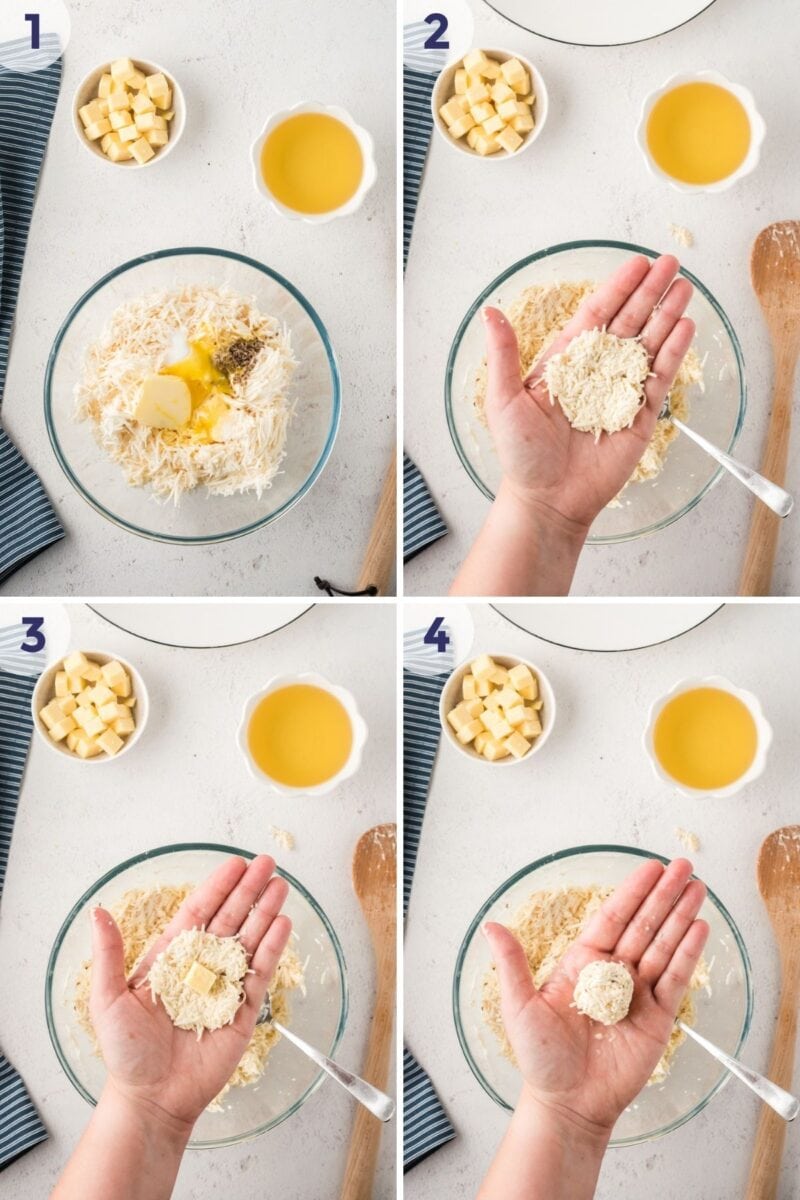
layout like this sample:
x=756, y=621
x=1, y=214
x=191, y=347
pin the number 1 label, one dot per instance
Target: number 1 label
x=34, y=22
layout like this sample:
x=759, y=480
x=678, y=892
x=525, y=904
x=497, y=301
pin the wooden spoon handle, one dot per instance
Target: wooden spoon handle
x=362, y=1157
x=765, y=1166
x=379, y=560
x=762, y=542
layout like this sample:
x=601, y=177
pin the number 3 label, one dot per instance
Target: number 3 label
x=34, y=639
x=436, y=39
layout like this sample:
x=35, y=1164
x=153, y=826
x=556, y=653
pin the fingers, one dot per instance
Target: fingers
x=606, y=927
x=600, y=309
x=197, y=911
x=108, y=962
x=634, y=314
x=233, y=911
x=667, y=362
x=502, y=358
x=265, y=961
x=673, y=983
x=663, y=319
x=658, y=954
x=653, y=912
x=516, y=982
x=259, y=919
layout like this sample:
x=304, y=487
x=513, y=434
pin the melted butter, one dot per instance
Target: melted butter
x=300, y=735
x=705, y=738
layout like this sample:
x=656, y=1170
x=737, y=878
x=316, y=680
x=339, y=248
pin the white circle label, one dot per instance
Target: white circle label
x=435, y=33
x=33, y=636
x=33, y=34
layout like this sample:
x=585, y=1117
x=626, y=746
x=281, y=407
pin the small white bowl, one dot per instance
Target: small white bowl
x=87, y=90
x=451, y=695
x=757, y=131
x=444, y=88
x=364, y=139
x=45, y=691
x=753, y=705
x=345, y=698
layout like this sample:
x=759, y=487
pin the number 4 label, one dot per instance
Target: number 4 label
x=437, y=636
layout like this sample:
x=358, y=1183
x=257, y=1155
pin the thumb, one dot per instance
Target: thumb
x=516, y=982
x=108, y=962
x=502, y=359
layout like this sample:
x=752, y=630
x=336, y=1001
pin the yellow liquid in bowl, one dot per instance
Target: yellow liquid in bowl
x=699, y=133
x=312, y=163
x=300, y=735
x=705, y=738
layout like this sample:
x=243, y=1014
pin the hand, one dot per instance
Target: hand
x=151, y=1062
x=649, y=924
x=551, y=467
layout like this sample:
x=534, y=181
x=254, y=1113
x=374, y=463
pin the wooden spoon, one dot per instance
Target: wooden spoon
x=779, y=883
x=375, y=883
x=379, y=559
x=775, y=273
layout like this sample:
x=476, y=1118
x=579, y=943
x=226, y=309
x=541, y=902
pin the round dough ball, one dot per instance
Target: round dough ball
x=604, y=991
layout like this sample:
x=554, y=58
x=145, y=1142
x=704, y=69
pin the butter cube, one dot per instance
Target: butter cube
x=123, y=69
x=483, y=686
x=469, y=732
x=111, y=742
x=516, y=76
x=497, y=725
x=75, y=663
x=130, y=701
x=458, y=717
x=116, y=677
x=508, y=109
x=473, y=707
x=478, y=93
x=451, y=111
x=52, y=714
x=106, y=142
x=151, y=120
x=129, y=133
x=101, y=694
x=494, y=125
x=474, y=61
x=62, y=688
x=90, y=722
x=170, y=113
x=157, y=137
x=494, y=750
x=123, y=726
x=530, y=729
x=509, y=698
x=86, y=748
x=104, y=89
x=490, y=69
x=93, y=132
x=472, y=136
x=469, y=686
x=492, y=701
x=481, y=740
x=462, y=126
x=118, y=151
x=67, y=704
x=120, y=118
x=483, y=666
x=60, y=730
x=509, y=139
x=142, y=151
x=164, y=99
x=91, y=672
x=119, y=99
x=75, y=683
x=461, y=82
x=86, y=697
x=521, y=677
x=515, y=716
x=500, y=92
x=137, y=81
x=499, y=676
x=517, y=744
x=91, y=113
x=142, y=103
x=522, y=123
x=112, y=712
x=72, y=739
x=482, y=112
x=103, y=106
x=157, y=86
x=200, y=979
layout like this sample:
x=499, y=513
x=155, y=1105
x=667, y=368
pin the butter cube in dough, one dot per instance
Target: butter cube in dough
x=451, y=111
x=86, y=748
x=509, y=139
x=62, y=689
x=200, y=979
x=75, y=663
x=469, y=732
x=517, y=744
x=110, y=742
x=483, y=666
x=495, y=749
x=459, y=128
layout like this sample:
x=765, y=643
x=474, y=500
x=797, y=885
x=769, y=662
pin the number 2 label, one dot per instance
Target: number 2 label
x=435, y=40
x=34, y=635
x=437, y=636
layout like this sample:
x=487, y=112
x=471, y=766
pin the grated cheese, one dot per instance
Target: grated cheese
x=546, y=925
x=225, y=957
x=599, y=380
x=138, y=341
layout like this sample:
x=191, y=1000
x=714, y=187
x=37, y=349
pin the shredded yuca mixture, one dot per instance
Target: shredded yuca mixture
x=599, y=381
x=547, y=924
x=237, y=447
x=539, y=314
x=187, y=1008
x=142, y=914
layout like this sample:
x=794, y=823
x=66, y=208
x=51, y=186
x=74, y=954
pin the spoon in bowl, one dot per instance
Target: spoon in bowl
x=784, y=1104
x=378, y=1103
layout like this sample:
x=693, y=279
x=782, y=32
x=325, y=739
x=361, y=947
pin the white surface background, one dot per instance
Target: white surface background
x=186, y=781
x=237, y=63
x=594, y=784
x=585, y=178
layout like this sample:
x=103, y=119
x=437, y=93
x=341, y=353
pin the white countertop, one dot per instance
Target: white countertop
x=236, y=64
x=585, y=178
x=189, y=783
x=593, y=784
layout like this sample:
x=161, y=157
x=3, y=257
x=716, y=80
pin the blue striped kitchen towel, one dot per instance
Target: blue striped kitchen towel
x=422, y=522
x=28, y=522
x=420, y=68
x=426, y=1125
x=20, y=1126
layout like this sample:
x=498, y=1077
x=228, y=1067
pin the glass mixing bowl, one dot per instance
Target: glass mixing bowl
x=319, y=1016
x=723, y=1017
x=198, y=518
x=718, y=413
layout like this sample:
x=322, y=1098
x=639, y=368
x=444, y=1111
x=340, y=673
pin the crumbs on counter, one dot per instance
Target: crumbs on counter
x=282, y=837
x=683, y=236
x=690, y=841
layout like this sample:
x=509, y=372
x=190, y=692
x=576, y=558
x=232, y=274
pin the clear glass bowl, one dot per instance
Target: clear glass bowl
x=319, y=1015
x=723, y=1017
x=198, y=518
x=718, y=414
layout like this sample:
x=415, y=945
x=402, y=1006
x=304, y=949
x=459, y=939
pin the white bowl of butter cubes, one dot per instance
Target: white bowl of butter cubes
x=491, y=104
x=90, y=706
x=129, y=113
x=497, y=709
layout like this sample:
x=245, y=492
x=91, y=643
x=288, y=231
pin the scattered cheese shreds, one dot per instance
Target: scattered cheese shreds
x=690, y=841
x=282, y=837
x=683, y=236
x=599, y=381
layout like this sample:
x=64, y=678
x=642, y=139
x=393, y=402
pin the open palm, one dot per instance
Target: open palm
x=541, y=455
x=649, y=923
x=147, y=1057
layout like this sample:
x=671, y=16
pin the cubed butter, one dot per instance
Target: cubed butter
x=481, y=740
x=111, y=742
x=157, y=137
x=200, y=979
x=509, y=698
x=517, y=744
x=51, y=714
x=500, y=92
x=473, y=707
x=515, y=716
x=494, y=125
x=67, y=704
x=483, y=686
x=496, y=724
x=75, y=663
x=156, y=85
x=469, y=686
x=129, y=133
x=482, y=112
x=91, y=672
x=118, y=151
x=474, y=61
x=123, y=726
x=136, y=81
x=522, y=123
x=73, y=738
x=63, y=727
x=450, y=112
x=509, y=139
x=119, y=99
x=142, y=103
x=123, y=70
x=462, y=126
x=469, y=732
x=118, y=120
x=461, y=82
x=483, y=666
x=111, y=712
x=142, y=151
x=87, y=748
x=62, y=688
x=508, y=109
x=494, y=750
x=91, y=113
x=499, y=676
x=93, y=132
x=105, y=86
x=490, y=69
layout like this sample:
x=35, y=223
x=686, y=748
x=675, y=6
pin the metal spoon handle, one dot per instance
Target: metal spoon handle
x=784, y=1104
x=378, y=1103
x=773, y=496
